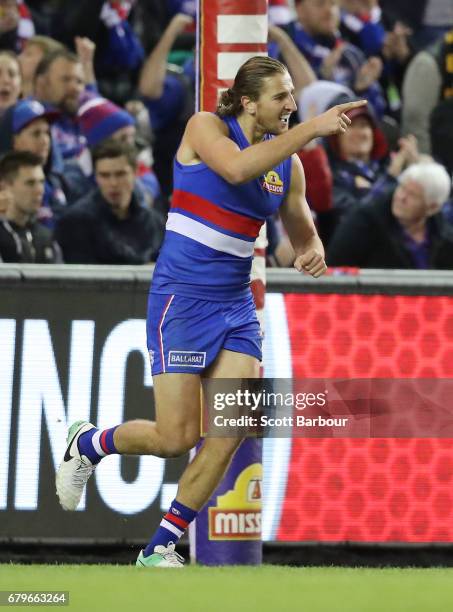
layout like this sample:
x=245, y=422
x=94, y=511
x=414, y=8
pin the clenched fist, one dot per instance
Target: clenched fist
x=311, y=262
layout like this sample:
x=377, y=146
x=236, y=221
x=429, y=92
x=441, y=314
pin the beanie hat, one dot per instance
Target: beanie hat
x=317, y=97
x=99, y=119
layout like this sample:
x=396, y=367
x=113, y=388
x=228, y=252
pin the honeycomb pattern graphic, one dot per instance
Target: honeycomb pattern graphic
x=381, y=489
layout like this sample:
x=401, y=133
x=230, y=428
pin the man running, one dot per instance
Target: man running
x=232, y=170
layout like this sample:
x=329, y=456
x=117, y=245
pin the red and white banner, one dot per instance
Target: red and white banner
x=229, y=33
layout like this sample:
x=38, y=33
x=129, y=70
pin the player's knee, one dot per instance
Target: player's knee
x=180, y=443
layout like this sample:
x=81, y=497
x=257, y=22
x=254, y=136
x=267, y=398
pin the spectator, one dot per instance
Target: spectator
x=429, y=20
x=22, y=238
x=358, y=161
x=85, y=50
x=362, y=25
x=401, y=230
x=137, y=109
x=10, y=80
x=360, y=166
x=34, y=50
x=300, y=70
x=119, y=52
x=59, y=83
x=123, y=49
x=279, y=12
x=428, y=100
x=101, y=120
x=168, y=93
x=279, y=252
x=108, y=226
x=150, y=19
x=187, y=7
x=26, y=127
x=313, y=100
x=5, y=200
x=16, y=25
x=315, y=33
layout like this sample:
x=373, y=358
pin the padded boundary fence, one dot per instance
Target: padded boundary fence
x=96, y=293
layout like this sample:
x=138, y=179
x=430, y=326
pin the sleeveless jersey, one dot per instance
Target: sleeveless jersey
x=212, y=226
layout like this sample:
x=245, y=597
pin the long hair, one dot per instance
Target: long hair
x=248, y=82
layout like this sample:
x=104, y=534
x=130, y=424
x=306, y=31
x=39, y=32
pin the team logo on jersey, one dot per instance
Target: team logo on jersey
x=237, y=514
x=273, y=183
x=191, y=359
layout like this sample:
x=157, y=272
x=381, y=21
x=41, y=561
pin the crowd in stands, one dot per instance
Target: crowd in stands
x=95, y=95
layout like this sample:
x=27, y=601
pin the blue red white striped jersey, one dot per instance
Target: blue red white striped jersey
x=212, y=227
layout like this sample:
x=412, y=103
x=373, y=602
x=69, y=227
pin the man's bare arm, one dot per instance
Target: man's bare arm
x=298, y=222
x=300, y=70
x=206, y=138
x=153, y=73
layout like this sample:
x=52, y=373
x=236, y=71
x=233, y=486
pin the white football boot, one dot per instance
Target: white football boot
x=75, y=469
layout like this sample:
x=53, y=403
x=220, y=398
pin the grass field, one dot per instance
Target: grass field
x=95, y=588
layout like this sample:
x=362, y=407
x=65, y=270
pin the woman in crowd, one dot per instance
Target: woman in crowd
x=10, y=80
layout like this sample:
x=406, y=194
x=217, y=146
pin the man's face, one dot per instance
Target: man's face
x=35, y=138
x=29, y=60
x=319, y=17
x=116, y=178
x=10, y=82
x=5, y=198
x=357, y=142
x=9, y=15
x=27, y=189
x=275, y=104
x=409, y=203
x=63, y=84
x=125, y=134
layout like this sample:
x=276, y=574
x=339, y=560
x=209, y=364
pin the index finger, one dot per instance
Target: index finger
x=349, y=105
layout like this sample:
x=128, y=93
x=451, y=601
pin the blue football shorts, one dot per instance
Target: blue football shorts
x=186, y=335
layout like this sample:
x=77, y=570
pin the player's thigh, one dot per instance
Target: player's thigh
x=184, y=335
x=177, y=401
x=230, y=364
x=241, y=352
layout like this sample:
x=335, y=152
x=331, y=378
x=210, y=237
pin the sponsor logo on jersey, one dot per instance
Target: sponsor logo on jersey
x=191, y=359
x=237, y=515
x=273, y=183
